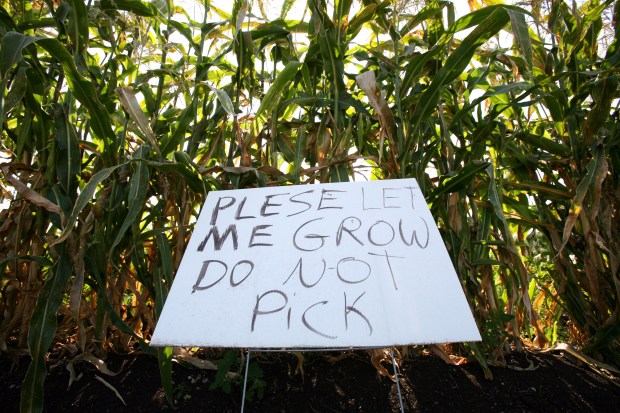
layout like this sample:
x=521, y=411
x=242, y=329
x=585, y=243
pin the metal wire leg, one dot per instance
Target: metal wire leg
x=245, y=381
x=400, y=396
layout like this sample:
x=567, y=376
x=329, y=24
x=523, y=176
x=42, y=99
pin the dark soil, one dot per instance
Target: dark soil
x=531, y=383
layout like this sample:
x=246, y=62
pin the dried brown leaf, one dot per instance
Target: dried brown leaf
x=101, y=365
x=133, y=109
x=181, y=353
x=109, y=386
x=368, y=84
x=378, y=356
x=72, y=376
x=31, y=195
x=595, y=365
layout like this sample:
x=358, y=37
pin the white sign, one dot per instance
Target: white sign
x=358, y=264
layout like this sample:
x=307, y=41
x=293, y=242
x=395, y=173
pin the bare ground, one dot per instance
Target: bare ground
x=531, y=382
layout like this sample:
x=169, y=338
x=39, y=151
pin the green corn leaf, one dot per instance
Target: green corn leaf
x=459, y=181
x=269, y=33
x=339, y=173
x=476, y=349
x=165, y=256
x=84, y=198
x=481, y=252
x=164, y=358
x=496, y=203
x=136, y=7
x=331, y=49
x=477, y=17
x=11, y=48
x=603, y=341
x=550, y=145
x=68, y=152
x=78, y=25
x=366, y=14
x=493, y=91
x=284, y=146
x=42, y=261
x=604, y=92
x=85, y=92
x=596, y=171
x=136, y=197
x=172, y=141
x=429, y=11
x=273, y=95
x=185, y=167
x=185, y=30
x=240, y=9
x=6, y=20
x=416, y=67
x=3, y=83
x=550, y=190
x=132, y=107
x=287, y=5
x=19, y=85
x=24, y=138
x=162, y=278
x=300, y=145
x=43, y=325
x=139, y=260
x=521, y=34
x=521, y=206
x=224, y=100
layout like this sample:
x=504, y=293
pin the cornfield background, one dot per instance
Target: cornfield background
x=117, y=117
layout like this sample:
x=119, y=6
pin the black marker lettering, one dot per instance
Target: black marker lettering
x=364, y=202
x=294, y=200
x=351, y=308
x=349, y=281
x=411, y=188
x=219, y=208
x=371, y=238
x=255, y=233
x=328, y=198
x=257, y=310
x=218, y=240
x=354, y=223
x=389, y=197
x=387, y=258
x=414, y=235
x=240, y=210
x=203, y=273
x=309, y=236
x=267, y=204
x=288, y=319
x=299, y=269
x=232, y=274
x=309, y=327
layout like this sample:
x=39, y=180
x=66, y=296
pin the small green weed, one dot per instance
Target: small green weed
x=225, y=377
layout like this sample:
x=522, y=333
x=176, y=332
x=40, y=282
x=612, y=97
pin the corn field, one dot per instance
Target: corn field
x=118, y=117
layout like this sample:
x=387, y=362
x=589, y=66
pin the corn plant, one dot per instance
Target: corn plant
x=118, y=117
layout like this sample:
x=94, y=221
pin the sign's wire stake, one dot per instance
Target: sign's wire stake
x=245, y=382
x=400, y=396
